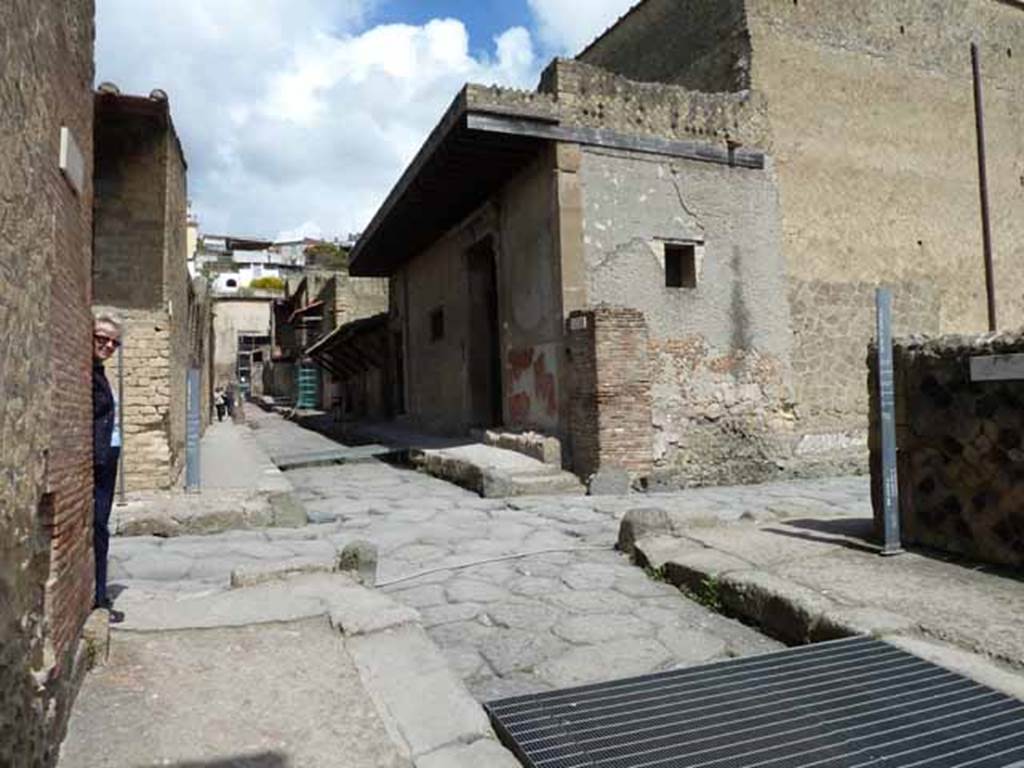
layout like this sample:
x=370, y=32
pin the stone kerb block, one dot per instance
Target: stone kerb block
x=609, y=481
x=640, y=523
x=360, y=559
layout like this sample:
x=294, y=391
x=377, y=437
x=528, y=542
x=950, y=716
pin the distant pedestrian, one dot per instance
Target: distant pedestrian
x=106, y=446
x=229, y=398
x=219, y=402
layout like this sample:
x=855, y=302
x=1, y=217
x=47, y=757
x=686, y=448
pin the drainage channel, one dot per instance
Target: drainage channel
x=852, y=703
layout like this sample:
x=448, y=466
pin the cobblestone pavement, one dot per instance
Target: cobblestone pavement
x=573, y=616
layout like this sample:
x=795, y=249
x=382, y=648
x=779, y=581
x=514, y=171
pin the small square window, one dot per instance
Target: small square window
x=437, y=324
x=680, y=265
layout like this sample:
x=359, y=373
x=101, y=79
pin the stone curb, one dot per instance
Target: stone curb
x=184, y=516
x=784, y=608
x=798, y=614
x=424, y=705
x=428, y=712
x=492, y=482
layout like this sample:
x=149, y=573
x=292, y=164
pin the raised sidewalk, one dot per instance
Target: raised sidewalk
x=817, y=574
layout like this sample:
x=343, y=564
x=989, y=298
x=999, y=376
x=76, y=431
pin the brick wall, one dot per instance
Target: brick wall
x=45, y=359
x=611, y=403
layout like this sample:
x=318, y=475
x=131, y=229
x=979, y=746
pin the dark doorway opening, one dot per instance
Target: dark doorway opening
x=484, y=336
x=399, y=352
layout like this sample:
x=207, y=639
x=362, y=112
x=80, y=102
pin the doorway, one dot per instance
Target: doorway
x=484, y=336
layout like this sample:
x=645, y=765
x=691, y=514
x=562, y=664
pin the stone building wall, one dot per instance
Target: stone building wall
x=872, y=125
x=649, y=45
x=141, y=276
x=233, y=315
x=45, y=369
x=177, y=298
x=519, y=224
x=867, y=112
x=149, y=458
x=960, y=445
x=721, y=399
x=131, y=188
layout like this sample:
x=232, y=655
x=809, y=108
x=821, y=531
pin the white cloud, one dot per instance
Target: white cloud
x=293, y=117
x=567, y=26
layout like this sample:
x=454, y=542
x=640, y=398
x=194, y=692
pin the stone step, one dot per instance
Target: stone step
x=497, y=472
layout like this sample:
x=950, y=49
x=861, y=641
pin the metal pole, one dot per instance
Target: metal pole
x=887, y=412
x=986, y=223
x=120, y=421
x=193, y=428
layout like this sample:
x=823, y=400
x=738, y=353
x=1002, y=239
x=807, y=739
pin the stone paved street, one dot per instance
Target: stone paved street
x=578, y=614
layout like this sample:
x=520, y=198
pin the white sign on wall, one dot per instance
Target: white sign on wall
x=997, y=368
x=72, y=164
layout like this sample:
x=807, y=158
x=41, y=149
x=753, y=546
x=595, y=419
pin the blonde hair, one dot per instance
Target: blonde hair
x=105, y=318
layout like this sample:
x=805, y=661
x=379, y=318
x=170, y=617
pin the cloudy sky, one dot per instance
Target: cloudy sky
x=297, y=116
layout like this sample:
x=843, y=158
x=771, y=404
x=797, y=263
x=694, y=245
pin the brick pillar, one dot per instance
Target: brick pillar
x=610, y=416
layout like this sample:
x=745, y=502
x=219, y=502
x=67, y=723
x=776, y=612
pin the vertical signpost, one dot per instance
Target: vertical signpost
x=193, y=427
x=887, y=411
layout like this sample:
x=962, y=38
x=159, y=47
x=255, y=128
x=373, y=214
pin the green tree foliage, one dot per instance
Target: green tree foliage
x=327, y=256
x=268, y=284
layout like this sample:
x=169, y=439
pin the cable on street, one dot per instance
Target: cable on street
x=488, y=561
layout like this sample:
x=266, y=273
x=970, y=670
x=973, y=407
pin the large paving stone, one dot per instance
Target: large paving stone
x=447, y=613
x=533, y=586
x=514, y=650
x=590, y=575
x=600, y=628
x=637, y=584
x=463, y=590
x=423, y=596
x=608, y=661
x=597, y=601
x=491, y=687
x=533, y=616
x=465, y=660
x=691, y=646
x=463, y=632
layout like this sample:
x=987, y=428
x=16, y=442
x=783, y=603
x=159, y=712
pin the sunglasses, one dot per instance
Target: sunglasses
x=106, y=340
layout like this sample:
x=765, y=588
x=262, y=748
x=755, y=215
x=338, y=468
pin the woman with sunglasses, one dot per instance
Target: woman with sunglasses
x=106, y=436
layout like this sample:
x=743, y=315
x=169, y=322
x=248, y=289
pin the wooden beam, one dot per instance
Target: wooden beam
x=600, y=137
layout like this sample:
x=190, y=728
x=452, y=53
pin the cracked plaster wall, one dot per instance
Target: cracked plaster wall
x=720, y=382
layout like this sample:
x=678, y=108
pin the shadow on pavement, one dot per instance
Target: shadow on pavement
x=852, y=533
x=858, y=534
x=262, y=760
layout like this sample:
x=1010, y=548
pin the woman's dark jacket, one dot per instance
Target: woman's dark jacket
x=102, y=416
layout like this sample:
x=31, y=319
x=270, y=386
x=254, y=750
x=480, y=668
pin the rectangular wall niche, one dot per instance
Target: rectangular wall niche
x=680, y=265
x=437, y=324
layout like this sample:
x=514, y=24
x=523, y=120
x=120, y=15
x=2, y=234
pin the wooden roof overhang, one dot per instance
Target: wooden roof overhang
x=470, y=155
x=354, y=348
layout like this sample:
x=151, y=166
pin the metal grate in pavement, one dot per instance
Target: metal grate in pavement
x=849, y=703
